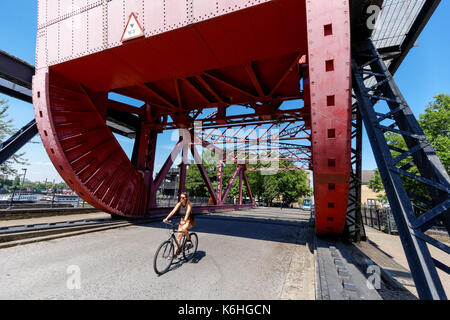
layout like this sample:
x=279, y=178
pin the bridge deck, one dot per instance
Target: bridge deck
x=245, y=255
x=264, y=253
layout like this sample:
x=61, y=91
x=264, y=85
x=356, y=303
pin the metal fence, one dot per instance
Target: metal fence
x=165, y=202
x=54, y=201
x=37, y=201
x=382, y=219
x=379, y=218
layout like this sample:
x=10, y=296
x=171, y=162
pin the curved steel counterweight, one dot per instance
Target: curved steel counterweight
x=191, y=55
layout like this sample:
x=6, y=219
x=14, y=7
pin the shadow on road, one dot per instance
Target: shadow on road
x=199, y=255
x=289, y=230
x=180, y=261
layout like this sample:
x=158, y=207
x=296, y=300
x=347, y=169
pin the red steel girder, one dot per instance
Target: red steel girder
x=329, y=95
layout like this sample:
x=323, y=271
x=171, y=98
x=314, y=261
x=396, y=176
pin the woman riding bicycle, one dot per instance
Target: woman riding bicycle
x=184, y=206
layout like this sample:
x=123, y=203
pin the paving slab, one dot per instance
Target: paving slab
x=387, y=251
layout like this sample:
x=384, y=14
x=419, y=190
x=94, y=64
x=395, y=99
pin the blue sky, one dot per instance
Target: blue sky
x=423, y=74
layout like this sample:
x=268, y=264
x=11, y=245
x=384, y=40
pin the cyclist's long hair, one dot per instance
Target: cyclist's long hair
x=188, y=202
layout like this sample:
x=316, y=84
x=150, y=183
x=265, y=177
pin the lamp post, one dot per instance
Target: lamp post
x=21, y=186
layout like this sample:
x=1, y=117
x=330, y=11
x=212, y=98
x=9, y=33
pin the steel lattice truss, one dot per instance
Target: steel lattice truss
x=385, y=110
x=259, y=143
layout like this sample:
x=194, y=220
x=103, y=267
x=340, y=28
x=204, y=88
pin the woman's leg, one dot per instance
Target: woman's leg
x=185, y=230
x=179, y=237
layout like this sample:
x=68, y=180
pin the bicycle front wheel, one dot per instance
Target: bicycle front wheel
x=190, y=247
x=163, y=257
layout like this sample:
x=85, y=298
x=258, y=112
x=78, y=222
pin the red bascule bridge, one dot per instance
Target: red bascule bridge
x=308, y=72
x=178, y=58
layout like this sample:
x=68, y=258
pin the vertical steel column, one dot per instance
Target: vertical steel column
x=241, y=171
x=150, y=166
x=198, y=160
x=143, y=158
x=182, y=187
x=354, y=226
x=247, y=186
x=220, y=182
x=328, y=28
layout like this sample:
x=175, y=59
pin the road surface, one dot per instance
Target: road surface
x=255, y=254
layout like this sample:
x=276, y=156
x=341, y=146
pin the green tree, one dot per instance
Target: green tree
x=288, y=185
x=195, y=185
x=6, y=130
x=375, y=182
x=256, y=182
x=270, y=188
x=376, y=185
x=435, y=122
x=292, y=185
x=16, y=182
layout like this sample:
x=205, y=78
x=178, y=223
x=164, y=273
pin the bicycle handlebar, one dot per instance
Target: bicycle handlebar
x=173, y=225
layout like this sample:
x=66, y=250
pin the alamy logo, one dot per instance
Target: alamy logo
x=74, y=280
x=374, y=278
x=374, y=12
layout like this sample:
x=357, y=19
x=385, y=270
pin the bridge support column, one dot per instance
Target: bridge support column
x=247, y=186
x=329, y=89
x=182, y=185
x=220, y=182
x=241, y=173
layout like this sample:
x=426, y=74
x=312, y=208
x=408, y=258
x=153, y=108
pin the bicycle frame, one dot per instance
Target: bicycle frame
x=173, y=238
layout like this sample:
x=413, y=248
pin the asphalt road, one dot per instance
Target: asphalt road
x=257, y=254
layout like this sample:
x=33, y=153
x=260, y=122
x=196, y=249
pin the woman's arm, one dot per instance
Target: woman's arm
x=172, y=212
x=188, y=212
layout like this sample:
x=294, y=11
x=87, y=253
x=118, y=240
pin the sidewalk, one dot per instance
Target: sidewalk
x=52, y=219
x=391, y=257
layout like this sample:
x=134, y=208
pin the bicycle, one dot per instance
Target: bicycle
x=165, y=253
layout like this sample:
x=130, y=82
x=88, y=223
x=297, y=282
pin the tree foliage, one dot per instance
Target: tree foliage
x=286, y=185
x=292, y=185
x=194, y=181
x=7, y=186
x=6, y=130
x=435, y=124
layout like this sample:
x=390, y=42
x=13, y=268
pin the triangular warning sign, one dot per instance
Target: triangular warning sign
x=133, y=29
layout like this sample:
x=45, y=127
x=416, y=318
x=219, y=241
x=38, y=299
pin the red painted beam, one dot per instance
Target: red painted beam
x=329, y=88
x=230, y=183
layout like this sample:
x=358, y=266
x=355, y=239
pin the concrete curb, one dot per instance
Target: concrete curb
x=317, y=284
x=18, y=214
x=46, y=235
x=48, y=232
x=57, y=236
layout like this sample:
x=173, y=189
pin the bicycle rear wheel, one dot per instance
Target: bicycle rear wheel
x=190, y=247
x=163, y=257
